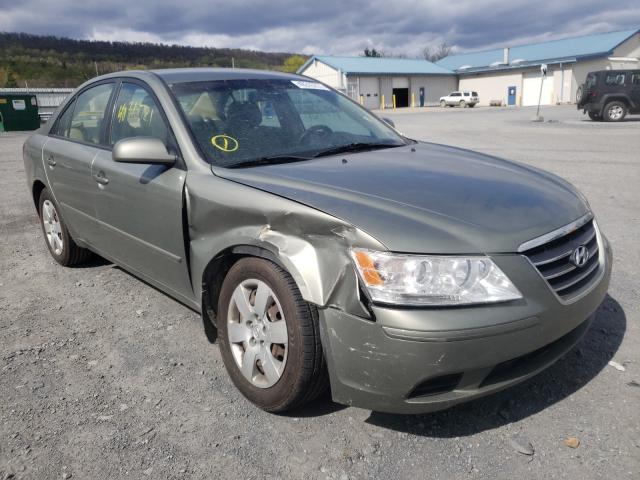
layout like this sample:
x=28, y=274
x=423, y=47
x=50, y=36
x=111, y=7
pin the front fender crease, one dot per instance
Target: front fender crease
x=311, y=245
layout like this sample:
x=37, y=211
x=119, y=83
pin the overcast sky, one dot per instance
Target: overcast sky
x=338, y=27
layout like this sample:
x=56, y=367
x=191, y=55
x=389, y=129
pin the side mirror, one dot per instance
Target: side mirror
x=388, y=121
x=142, y=150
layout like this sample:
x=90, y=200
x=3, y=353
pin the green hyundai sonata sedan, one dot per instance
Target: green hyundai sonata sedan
x=327, y=250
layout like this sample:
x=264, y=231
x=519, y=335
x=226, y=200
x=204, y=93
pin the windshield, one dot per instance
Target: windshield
x=244, y=122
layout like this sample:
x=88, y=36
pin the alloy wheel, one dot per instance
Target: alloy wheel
x=257, y=333
x=616, y=112
x=52, y=227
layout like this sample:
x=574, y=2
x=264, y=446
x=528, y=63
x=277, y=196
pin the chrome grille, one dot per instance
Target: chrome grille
x=553, y=260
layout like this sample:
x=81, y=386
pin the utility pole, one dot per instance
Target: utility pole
x=95, y=64
x=233, y=62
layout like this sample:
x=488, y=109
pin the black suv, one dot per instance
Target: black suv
x=610, y=94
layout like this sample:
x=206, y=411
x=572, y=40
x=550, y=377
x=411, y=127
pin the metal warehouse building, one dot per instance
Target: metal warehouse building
x=512, y=75
x=377, y=81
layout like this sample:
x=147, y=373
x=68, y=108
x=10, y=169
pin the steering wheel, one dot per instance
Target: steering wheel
x=315, y=132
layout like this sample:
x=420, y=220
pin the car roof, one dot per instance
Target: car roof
x=180, y=75
x=183, y=75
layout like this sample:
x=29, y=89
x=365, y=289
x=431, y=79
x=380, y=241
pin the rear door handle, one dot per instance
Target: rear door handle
x=101, y=178
x=51, y=161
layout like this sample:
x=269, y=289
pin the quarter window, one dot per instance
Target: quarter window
x=635, y=78
x=591, y=80
x=64, y=121
x=136, y=114
x=88, y=114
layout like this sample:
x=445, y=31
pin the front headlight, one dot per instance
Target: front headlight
x=432, y=280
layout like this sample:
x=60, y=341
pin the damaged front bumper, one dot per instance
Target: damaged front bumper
x=422, y=360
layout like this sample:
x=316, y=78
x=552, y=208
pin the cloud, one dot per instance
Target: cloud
x=330, y=26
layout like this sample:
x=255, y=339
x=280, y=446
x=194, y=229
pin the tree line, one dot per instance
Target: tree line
x=432, y=53
x=50, y=61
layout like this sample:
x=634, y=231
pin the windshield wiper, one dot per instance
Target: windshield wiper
x=355, y=147
x=350, y=147
x=270, y=160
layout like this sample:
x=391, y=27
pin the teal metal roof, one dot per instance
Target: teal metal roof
x=379, y=65
x=568, y=49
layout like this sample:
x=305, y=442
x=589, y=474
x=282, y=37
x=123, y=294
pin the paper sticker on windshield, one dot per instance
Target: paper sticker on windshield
x=309, y=85
x=225, y=143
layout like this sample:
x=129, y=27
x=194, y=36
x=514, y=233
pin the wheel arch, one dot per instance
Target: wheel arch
x=36, y=189
x=217, y=268
x=616, y=97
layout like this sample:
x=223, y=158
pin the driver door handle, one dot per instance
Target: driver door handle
x=51, y=161
x=101, y=178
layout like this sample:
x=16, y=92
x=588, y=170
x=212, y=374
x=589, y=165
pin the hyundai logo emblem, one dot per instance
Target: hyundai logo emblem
x=580, y=256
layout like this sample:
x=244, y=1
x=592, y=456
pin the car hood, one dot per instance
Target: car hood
x=425, y=197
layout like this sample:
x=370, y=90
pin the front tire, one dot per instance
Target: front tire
x=443, y=103
x=615, y=111
x=59, y=242
x=269, y=337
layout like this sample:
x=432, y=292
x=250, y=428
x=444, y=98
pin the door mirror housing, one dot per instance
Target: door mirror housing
x=142, y=150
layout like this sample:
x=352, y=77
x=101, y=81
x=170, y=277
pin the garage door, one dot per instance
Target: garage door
x=369, y=90
x=400, y=82
x=531, y=90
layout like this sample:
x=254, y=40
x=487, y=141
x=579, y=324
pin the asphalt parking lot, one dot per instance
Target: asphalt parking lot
x=102, y=376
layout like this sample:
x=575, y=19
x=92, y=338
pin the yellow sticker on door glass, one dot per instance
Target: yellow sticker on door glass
x=225, y=143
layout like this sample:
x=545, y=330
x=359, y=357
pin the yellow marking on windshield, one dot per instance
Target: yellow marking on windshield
x=225, y=143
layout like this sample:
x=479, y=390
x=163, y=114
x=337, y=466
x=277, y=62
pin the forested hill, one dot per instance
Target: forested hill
x=48, y=61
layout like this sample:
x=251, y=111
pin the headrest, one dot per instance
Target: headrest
x=244, y=114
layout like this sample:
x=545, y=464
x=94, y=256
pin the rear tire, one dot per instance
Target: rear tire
x=248, y=340
x=615, y=111
x=596, y=117
x=59, y=242
x=471, y=105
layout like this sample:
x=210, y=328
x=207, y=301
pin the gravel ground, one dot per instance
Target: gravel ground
x=102, y=376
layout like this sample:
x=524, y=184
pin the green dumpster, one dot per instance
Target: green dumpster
x=18, y=111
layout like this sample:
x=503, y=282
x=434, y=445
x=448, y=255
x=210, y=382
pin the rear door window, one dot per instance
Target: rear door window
x=635, y=79
x=475, y=94
x=89, y=112
x=613, y=79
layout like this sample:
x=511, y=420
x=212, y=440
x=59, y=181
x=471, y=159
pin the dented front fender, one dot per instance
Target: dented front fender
x=311, y=245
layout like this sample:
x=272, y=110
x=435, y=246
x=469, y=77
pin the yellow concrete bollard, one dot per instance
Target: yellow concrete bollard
x=413, y=100
x=393, y=98
x=362, y=100
x=382, y=105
